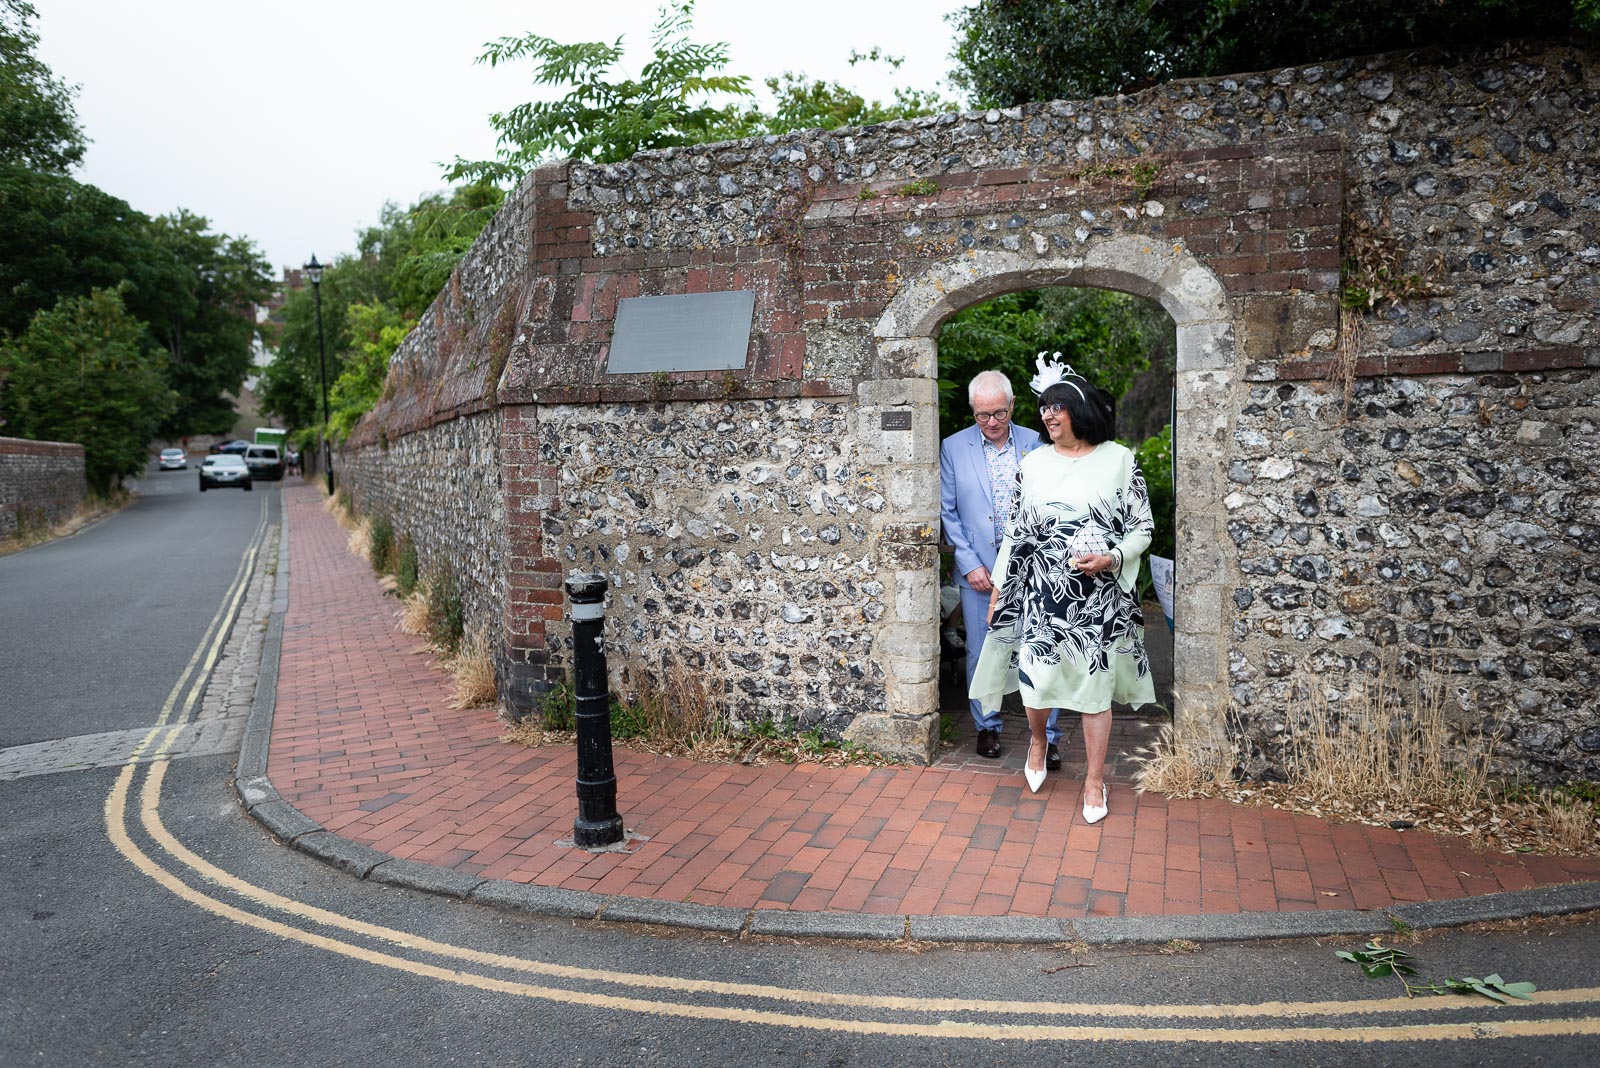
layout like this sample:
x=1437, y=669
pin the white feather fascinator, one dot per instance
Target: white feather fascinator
x=1052, y=369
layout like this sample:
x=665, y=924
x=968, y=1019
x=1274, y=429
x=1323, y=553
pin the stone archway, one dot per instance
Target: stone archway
x=1195, y=298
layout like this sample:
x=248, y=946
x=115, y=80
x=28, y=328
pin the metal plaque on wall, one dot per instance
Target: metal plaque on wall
x=683, y=332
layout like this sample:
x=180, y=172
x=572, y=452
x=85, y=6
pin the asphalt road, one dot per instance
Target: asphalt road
x=94, y=623
x=145, y=920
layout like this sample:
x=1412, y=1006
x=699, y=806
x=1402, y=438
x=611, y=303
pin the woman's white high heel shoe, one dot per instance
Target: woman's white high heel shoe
x=1095, y=813
x=1035, y=778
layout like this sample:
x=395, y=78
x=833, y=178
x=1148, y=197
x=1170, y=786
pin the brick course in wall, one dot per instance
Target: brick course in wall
x=41, y=482
x=1232, y=201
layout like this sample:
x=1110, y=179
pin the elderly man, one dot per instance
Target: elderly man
x=977, y=487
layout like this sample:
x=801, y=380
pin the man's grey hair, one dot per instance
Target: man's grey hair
x=989, y=382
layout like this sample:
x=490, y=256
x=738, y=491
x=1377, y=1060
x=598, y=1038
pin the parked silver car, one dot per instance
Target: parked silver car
x=173, y=460
x=224, y=469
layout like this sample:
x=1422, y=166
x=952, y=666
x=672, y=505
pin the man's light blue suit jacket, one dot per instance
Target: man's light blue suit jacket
x=966, y=502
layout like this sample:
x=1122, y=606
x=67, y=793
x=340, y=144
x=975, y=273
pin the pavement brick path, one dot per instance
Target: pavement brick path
x=364, y=742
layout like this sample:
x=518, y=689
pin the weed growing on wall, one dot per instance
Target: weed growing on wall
x=381, y=546
x=445, y=612
x=405, y=569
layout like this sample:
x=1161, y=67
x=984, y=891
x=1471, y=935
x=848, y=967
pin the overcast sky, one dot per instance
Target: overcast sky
x=292, y=123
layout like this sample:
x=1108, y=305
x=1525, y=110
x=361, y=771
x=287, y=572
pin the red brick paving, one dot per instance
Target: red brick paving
x=364, y=742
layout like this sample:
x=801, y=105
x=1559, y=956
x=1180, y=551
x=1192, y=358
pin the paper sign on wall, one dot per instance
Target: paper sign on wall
x=1161, y=575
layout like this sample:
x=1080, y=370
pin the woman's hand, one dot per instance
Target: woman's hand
x=1093, y=563
x=994, y=598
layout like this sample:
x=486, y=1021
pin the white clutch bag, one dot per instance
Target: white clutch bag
x=1088, y=540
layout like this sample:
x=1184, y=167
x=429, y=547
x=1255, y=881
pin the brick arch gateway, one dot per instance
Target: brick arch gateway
x=1195, y=298
x=1401, y=486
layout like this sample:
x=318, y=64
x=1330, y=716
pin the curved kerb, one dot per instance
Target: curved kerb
x=262, y=801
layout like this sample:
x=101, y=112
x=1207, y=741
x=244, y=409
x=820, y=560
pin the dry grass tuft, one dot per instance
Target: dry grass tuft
x=472, y=674
x=532, y=733
x=684, y=713
x=1386, y=755
x=360, y=542
x=680, y=714
x=92, y=510
x=1388, y=751
x=338, y=506
x=1178, y=767
x=414, y=612
x=1567, y=824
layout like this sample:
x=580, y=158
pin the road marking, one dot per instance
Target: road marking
x=151, y=820
x=192, y=734
x=115, y=813
x=162, y=738
x=241, y=580
x=226, y=612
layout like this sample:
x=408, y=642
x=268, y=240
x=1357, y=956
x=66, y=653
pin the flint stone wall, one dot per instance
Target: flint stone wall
x=429, y=454
x=1469, y=178
x=440, y=488
x=40, y=482
x=735, y=542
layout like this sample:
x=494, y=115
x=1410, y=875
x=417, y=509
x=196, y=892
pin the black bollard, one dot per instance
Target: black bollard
x=598, y=823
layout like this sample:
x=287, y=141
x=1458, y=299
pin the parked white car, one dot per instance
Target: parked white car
x=264, y=461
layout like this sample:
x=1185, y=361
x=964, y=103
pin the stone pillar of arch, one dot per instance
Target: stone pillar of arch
x=1207, y=381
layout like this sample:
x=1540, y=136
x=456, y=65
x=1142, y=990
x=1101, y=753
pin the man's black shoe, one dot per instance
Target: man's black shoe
x=989, y=744
x=1052, y=758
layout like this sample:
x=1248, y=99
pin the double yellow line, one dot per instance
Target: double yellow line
x=197, y=671
x=832, y=1011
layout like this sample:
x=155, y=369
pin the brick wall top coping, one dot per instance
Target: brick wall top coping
x=27, y=447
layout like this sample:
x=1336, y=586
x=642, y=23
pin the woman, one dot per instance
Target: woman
x=1065, y=623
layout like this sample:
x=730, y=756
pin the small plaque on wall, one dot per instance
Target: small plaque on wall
x=895, y=421
x=683, y=332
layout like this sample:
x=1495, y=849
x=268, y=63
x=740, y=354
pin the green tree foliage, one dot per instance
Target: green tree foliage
x=61, y=238
x=206, y=321
x=80, y=373
x=673, y=101
x=1155, y=460
x=1013, y=51
x=670, y=103
x=290, y=387
x=193, y=289
x=376, y=330
x=189, y=292
x=431, y=239
x=803, y=103
x=1106, y=336
x=38, y=122
x=370, y=300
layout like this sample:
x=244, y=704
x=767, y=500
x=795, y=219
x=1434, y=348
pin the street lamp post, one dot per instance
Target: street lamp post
x=314, y=272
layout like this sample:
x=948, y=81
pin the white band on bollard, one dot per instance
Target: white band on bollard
x=588, y=611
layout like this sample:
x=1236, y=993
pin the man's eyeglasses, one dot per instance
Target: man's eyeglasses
x=999, y=415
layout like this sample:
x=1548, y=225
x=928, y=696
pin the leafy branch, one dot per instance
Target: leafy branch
x=603, y=120
x=1377, y=961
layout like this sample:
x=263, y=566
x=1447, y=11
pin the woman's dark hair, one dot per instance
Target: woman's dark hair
x=1093, y=411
